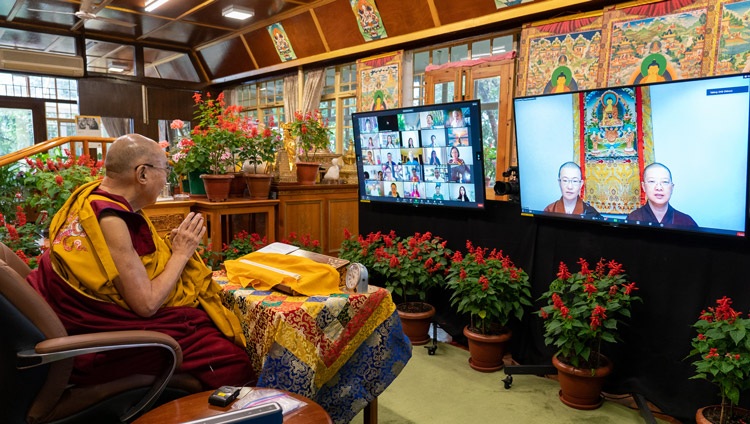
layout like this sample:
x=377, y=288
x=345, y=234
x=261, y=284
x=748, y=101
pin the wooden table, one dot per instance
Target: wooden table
x=214, y=211
x=166, y=215
x=341, y=350
x=196, y=406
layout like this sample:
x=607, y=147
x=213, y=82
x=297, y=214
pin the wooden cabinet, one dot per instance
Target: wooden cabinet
x=168, y=214
x=323, y=211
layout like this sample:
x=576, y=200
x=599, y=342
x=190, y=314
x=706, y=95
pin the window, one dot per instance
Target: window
x=262, y=100
x=338, y=102
x=62, y=93
x=473, y=49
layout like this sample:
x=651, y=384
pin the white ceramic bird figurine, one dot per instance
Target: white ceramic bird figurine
x=332, y=175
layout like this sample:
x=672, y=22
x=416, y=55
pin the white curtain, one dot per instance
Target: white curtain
x=116, y=126
x=313, y=90
x=290, y=96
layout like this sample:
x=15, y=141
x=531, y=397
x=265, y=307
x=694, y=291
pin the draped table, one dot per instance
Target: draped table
x=340, y=350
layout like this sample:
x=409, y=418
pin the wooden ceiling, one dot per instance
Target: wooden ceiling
x=223, y=50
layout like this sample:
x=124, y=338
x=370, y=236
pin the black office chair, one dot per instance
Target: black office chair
x=36, y=360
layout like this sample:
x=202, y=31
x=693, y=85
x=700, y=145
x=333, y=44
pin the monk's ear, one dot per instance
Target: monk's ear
x=141, y=174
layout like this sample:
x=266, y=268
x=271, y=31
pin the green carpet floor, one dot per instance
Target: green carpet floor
x=443, y=389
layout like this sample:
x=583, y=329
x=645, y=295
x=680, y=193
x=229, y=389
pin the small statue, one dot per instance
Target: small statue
x=332, y=175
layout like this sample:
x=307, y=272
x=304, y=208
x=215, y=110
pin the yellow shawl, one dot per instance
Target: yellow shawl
x=80, y=256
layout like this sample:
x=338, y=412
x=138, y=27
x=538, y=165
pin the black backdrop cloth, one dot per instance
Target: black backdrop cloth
x=678, y=275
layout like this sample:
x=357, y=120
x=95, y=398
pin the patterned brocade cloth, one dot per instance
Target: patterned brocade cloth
x=341, y=350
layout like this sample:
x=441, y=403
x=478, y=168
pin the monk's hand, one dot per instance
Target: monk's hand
x=188, y=235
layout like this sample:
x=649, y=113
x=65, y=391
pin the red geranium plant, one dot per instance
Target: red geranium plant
x=584, y=309
x=722, y=352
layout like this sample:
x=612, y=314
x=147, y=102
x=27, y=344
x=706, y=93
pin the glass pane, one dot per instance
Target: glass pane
x=350, y=106
x=328, y=112
x=16, y=129
x=421, y=60
x=502, y=44
x=487, y=90
x=480, y=49
x=67, y=129
x=329, y=86
x=348, y=75
x=52, y=129
x=440, y=56
x=459, y=53
x=444, y=92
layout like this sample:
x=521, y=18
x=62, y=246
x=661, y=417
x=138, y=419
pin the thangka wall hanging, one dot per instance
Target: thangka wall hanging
x=560, y=56
x=505, y=3
x=656, y=42
x=281, y=42
x=731, y=53
x=368, y=19
x=379, y=82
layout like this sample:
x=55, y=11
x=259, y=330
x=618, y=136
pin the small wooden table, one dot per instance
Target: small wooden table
x=196, y=406
x=213, y=211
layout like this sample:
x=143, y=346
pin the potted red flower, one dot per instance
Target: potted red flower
x=410, y=267
x=583, y=311
x=492, y=290
x=722, y=356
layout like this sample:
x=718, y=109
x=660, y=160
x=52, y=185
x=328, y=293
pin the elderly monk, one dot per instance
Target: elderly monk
x=108, y=269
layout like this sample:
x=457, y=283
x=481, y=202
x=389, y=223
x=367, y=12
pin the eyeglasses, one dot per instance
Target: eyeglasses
x=566, y=181
x=165, y=169
x=654, y=183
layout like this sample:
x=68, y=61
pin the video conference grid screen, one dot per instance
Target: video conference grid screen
x=429, y=155
x=697, y=129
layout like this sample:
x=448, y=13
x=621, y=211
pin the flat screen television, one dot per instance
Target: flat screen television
x=671, y=155
x=421, y=155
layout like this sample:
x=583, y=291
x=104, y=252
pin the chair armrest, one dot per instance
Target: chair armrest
x=59, y=348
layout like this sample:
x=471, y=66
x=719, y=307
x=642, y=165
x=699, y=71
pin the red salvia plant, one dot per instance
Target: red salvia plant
x=584, y=309
x=488, y=287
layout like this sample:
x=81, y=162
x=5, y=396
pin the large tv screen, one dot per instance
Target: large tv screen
x=672, y=155
x=421, y=155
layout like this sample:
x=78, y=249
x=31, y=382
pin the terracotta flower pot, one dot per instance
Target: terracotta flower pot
x=259, y=185
x=238, y=185
x=307, y=172
x=416, y=324
x=217, y=186
x=712, y=414
x=487, y=351
x=580, y=388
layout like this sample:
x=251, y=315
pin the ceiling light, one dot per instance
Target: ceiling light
x=151, y=5
x=237, y=12
x=117, y=67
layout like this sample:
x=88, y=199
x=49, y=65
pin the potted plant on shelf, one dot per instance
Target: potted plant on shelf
x=412, y=266
x=255, y=153
x=722, y=356
x=492, y=290
x=213, y=144
x=583, y=310
x=312, y=134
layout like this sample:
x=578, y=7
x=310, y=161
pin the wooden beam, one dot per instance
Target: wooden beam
x=320, y=30
x=500, y=16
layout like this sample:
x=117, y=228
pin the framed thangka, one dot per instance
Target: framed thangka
x=559, y=57
x=281, y=42
x=654, y=43
x=732, y=52
x=368, y=19
x=379, y=82
x=613, y=142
